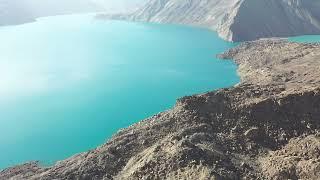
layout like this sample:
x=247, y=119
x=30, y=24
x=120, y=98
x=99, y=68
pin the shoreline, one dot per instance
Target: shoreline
x=224, y=134
x=209, y=59
x=35, y=19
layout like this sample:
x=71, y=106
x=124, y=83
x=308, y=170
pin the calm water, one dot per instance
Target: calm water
x=67, y=83
x=303, y=39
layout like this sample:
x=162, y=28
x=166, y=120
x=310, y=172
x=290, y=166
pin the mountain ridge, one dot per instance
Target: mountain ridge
x=235, y=20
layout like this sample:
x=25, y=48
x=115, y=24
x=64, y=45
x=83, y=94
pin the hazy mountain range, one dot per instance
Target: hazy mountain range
x=20, y=11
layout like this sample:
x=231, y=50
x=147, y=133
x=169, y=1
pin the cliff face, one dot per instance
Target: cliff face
x=207, y=13
x=236, y=20
x=260, y=129
x=274, y=18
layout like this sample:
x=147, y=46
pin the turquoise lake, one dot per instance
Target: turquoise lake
x=67, y=83
x=306, y=39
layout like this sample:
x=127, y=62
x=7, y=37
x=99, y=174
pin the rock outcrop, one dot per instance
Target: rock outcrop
x=236, y=20
x=266, y=127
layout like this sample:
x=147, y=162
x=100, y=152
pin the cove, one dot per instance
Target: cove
x=67, y=83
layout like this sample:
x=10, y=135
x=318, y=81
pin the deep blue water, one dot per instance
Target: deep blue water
x=67, y=83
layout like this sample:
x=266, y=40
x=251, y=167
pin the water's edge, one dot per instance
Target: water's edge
x=193, y=88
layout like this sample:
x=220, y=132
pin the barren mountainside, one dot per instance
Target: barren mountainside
x=236, y=20
x=266, y=127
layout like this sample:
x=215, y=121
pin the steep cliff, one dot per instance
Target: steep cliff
x=236, y=20
x=267, y=127
x=274, y=18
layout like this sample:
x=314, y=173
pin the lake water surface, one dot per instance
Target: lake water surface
x=67, y=83
x=306, y=39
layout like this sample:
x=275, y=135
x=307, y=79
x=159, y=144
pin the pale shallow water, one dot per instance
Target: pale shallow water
x=67, y=83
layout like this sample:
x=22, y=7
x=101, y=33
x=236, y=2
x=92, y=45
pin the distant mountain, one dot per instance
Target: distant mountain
x=54, y=7
x=117, y=6
x=236, y=20
x=14, y=12
x=21, y=11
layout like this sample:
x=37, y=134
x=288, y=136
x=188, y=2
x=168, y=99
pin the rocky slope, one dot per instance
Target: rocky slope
x=236, y=20
x=266, y=127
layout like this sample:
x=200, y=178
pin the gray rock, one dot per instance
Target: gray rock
x=252, y=133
